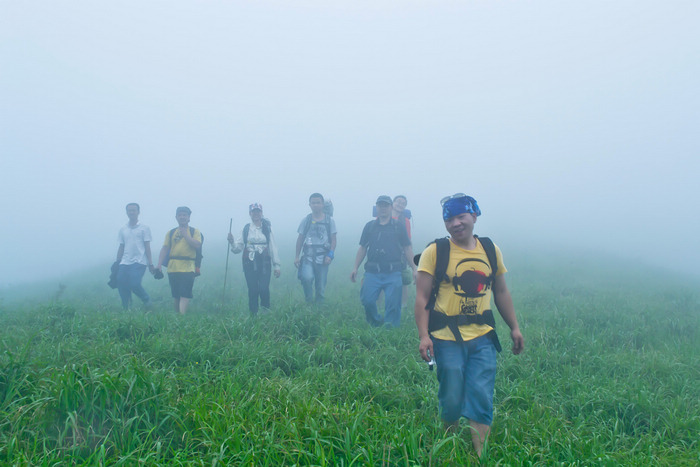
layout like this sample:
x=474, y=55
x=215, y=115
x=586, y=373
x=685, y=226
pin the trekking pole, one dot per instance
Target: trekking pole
x=228, y=251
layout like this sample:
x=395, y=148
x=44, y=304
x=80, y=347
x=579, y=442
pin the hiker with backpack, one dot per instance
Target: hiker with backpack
x=133, y=257
x=457, y=276
x=259, y=256
x=180, y=253
x=384, y=241
x=315, y=248
x=403, y=216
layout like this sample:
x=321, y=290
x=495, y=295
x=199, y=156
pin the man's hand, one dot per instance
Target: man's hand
x=353, y=275
x=277, y=272
x=327, y=260
x=230, y=238
x=518, y=341
x=426, y=345
x=297, y=262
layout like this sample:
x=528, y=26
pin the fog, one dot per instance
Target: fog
x=574, y=124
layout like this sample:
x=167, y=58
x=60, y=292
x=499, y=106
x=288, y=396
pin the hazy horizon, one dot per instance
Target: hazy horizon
x=573, y=125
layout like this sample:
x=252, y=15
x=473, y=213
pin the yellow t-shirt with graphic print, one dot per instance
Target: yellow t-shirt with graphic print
x=466, y=291
x=180, y=247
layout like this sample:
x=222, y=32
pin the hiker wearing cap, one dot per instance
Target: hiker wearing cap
x=133, y=257
x=181, y=248
x=455, y=324
x=384, y=241
x=315, y=249
x=259, y=253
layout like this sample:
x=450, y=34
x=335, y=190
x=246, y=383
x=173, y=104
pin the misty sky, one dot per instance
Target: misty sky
x=572, y=123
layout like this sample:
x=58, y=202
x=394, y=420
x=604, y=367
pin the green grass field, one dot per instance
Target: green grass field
x=610, y=376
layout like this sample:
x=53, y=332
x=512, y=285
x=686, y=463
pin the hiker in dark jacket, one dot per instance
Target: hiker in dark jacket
x=384, y=242
x=259, y=256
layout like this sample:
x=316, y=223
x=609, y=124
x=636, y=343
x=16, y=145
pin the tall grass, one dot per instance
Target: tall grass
x=610, y=376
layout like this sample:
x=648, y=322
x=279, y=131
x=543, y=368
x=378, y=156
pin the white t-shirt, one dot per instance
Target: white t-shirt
x=133, y=239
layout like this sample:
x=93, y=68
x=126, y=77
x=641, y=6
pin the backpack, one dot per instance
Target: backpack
x=198, y=255
x=327, y=222
x=266, y=229
x=374, y=245
x=439, y=320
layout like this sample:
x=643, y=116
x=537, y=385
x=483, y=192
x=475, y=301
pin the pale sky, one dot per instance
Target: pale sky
x=572, y=123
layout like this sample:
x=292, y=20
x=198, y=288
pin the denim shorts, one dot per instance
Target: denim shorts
x=466, y=372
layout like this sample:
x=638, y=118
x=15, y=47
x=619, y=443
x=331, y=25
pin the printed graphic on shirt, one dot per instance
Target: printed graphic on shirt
x=317, y=241
x=470, y=282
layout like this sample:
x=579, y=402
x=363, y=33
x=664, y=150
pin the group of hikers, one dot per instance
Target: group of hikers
x=385, y=242
x=455, y=278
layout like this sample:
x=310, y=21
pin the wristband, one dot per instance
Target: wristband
x=331, y=254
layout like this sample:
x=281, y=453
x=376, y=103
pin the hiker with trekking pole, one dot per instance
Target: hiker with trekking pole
x=260, y=258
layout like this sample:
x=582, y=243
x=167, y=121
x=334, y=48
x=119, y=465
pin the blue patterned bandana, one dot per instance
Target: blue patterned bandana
x=456, y=205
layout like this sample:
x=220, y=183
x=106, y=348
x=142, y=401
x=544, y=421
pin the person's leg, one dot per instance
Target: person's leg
x=123, y=286
x=251, y=279
x=392, y=299
x=321, y=273
x=264, y=281
x=306, y=275
x=480, y=433
x=136, y=273
x=182, y=289
x=480, y=380
x=174, y=290
x=450, y=360
x=369, y=292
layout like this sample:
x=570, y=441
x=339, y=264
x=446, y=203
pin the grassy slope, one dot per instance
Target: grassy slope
x=610, y=376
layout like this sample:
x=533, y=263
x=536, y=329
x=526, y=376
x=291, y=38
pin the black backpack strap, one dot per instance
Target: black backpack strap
x=490, y=250
x=442, y=258
x=439, y=320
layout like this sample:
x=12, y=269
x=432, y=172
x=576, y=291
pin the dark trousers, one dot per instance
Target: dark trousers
x=257, y=276
x=129, y=279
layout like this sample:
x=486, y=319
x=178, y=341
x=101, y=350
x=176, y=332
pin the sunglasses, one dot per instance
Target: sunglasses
x=455, y=196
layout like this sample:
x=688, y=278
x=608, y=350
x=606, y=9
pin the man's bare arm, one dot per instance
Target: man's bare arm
x=424, y=286
x=504, y=303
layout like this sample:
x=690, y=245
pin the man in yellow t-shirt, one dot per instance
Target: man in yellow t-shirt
x=466, y=363
x=181, y=245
